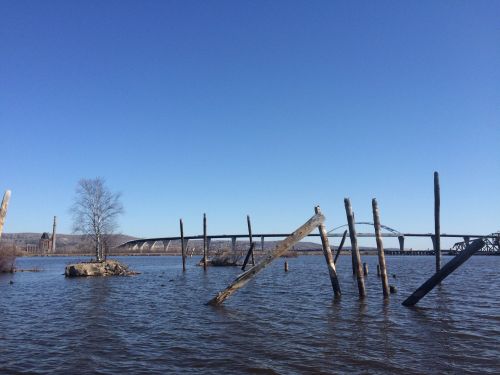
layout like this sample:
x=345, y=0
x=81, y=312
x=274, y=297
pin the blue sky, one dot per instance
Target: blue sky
x=264, y=108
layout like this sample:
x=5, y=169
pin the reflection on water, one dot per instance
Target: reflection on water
x=280, y=323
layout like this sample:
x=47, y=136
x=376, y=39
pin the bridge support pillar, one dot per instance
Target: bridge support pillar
x=233, y=244
x=401, y=243
x=262, y=243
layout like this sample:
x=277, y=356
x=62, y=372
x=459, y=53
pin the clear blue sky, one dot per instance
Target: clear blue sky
x=242, y=107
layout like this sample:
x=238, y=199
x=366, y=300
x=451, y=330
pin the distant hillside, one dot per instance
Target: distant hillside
x=65, y=243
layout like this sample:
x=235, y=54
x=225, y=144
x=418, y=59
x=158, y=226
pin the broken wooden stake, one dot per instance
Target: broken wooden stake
x=340, y=246
x=327, y=252
x=356, y=258
x=183, y=246
x=365, y=269
x=250, y=239
x=286, y=266
x=447, y=269
x=381, y=267
x=250, y=251
x=280, y=249
x=3, y=209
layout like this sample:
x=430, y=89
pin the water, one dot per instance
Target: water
x=280, y=323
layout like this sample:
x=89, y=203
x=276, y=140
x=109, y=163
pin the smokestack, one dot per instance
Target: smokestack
x=53, y=250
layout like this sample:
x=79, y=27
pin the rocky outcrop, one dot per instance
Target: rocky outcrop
x=106, y=268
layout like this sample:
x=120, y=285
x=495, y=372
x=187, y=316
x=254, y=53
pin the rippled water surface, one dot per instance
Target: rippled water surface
x=280, y=323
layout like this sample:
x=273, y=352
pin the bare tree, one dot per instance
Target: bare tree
x=95, y=212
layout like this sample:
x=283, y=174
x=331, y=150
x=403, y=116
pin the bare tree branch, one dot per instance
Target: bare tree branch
x=95, y=212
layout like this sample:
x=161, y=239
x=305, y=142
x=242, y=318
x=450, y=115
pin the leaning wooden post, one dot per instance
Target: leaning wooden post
x=356, y=258
x=3, y=210
x=183, y=246
x=437, y=224
x=250, y=238
x=447, y=269
x=204, y=241
x=280, y=249
x=380, y=249
x=339, y=249
x=327, y=252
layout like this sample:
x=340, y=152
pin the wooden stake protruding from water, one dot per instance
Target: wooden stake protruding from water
x=381, y=267
x=327, y=252
x=447, y=269
x=365, y=269
x=339, y=249
x=437, y=223
x=249, y=224
x=205, y=243
x=356, y=258
x=286, y=266
x=183, y=246
x=280, y=249
x=3, y=209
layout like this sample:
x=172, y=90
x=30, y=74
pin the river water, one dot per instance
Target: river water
x=279, y=323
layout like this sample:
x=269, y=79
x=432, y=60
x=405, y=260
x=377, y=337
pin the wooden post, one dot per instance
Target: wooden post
x=327, y=252
x=381, y=267
x=205, y=250
x=339, y=249
x=250, y=251
x=3, y=210
x=183, y=246
x=280, y=249
x=437, y=224
x=365, y=269
x=447, y=269
x=356, y=258
x=286, y=266
x=250, y=238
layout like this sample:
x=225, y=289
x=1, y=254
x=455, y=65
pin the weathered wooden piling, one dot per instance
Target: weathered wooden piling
x=437, y=223
x=381, y=266
x=365, y=269
x=339, y=249
x=286, y=266
x=356, y=258
x=280, y=249
x=327, y=252
x=183, y=245
x=3, y=209
x=205, y=242
x=447, y=269
x=250, y=238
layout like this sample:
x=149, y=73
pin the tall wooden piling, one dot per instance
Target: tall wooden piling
x=183, y=246
x=381, y=267
x=437, y=223
x=3, y=210
x=280, y=249
x=447, y=269
x=327, y=252
x=249, y=224
x=205, y=244
x=356, y=258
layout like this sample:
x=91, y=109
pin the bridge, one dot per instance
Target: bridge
x=148, y=244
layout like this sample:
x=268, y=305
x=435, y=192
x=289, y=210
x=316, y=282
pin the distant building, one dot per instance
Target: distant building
x=45, y=243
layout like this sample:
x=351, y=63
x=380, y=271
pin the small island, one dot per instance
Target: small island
x=105, y=268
